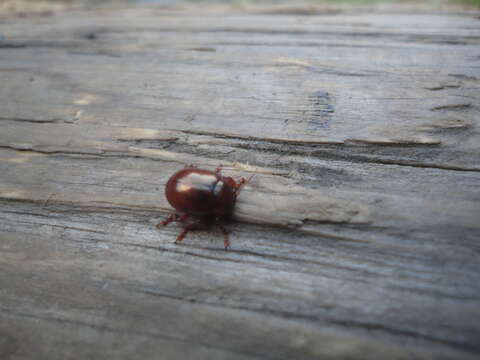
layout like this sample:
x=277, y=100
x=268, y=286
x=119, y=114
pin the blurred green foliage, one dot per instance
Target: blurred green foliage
x=470, y=2
x=431, y=2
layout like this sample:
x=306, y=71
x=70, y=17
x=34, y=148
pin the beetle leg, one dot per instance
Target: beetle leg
x=172, y=217
x=219, y=169
x=184, y=232
x=183, y=218
x=242, y=182
x=168, y=220
x=226, y=241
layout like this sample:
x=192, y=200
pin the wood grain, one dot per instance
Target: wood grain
x=358, y=236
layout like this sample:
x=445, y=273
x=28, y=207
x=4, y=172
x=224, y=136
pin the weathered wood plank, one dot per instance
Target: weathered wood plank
x=358, y=236
x=310, y=96
x=128, y=278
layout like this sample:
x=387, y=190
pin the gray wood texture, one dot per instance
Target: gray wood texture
x=358, y=237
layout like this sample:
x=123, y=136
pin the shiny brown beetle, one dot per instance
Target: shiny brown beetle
x=204, y=195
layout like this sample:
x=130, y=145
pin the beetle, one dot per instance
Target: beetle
x=205, y=196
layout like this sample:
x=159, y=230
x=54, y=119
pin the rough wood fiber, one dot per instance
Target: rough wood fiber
x=358, y=237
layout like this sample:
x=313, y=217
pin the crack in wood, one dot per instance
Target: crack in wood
x=226, y=257
x=452, y=107
x=424, y=165
x=36, y=121
x=99, y=154
x=355, y=157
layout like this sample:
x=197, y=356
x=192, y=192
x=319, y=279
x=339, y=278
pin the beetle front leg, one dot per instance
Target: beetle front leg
x=241, y=183
x=184, y=232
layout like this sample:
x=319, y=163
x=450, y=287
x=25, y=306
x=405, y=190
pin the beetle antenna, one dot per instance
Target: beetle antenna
x=243, y=182
x=251, y=176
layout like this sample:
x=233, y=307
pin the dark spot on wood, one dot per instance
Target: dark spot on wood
x=319, y=112
x=91, y=36
x=11, y=45
x=204, y=49
x=452, y=107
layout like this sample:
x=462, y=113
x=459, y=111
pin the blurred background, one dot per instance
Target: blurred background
x=47, y=7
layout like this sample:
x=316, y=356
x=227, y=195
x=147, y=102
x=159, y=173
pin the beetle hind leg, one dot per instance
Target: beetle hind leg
x=183, y=233
x=226, y=240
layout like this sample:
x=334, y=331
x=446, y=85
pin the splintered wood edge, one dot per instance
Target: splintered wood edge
x=277, y=201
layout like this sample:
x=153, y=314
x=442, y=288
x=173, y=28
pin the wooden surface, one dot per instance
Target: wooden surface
x=358, y=238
